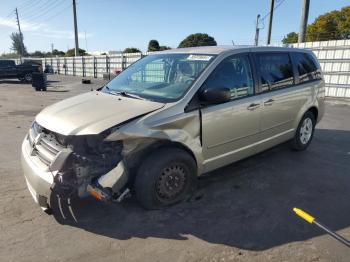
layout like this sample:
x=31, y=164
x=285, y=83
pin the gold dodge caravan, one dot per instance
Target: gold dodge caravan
x=169, y=118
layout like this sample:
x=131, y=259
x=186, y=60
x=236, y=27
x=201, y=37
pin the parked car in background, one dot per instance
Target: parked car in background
x=49, y=69
x=23, y=72
x=170, y=117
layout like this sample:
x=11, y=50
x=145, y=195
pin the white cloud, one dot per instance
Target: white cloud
x=59, y=34
x=41, y=29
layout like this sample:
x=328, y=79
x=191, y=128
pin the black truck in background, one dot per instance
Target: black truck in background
x=23, y=72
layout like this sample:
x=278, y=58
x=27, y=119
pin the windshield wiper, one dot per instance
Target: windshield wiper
x=126, y=94
x=123, y=93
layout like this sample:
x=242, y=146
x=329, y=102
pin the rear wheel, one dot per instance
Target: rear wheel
x=165, y=178
x=304, y=132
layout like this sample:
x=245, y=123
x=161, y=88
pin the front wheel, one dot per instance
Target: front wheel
x=304, y=132
x=165, y=178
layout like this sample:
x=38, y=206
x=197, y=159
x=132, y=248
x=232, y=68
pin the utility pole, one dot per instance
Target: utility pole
x=303, y=21
x=272, y=6
x=20, y=32
x=257, y=31
x=85, y=42
x=75, y=29
x=51, y=48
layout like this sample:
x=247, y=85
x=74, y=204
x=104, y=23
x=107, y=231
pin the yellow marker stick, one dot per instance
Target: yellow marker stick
x=312, y=220
x=304, y=215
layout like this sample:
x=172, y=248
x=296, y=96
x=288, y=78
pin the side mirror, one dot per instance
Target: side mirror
x=215, y=95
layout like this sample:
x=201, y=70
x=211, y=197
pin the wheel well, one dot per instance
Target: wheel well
x=314, y=111
x=135, y=159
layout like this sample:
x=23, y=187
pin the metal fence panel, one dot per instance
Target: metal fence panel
x=334, y=58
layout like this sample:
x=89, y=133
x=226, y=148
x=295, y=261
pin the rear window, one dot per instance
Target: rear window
x=307, y=68
x=275, y=70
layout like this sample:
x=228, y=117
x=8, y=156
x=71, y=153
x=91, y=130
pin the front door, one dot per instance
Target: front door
x=230, y=130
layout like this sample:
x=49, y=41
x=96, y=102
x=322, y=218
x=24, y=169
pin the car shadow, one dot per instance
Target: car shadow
x=57, y=90
x=13, y=81
x=17, y=82
x=247, y=204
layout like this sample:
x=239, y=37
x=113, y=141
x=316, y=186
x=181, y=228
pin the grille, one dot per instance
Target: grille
x=45, y=146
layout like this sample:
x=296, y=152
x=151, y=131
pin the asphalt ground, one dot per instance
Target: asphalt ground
x=242, y=212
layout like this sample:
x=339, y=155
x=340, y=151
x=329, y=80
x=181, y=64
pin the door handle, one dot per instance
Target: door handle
x=269, y=102
x=253, y=106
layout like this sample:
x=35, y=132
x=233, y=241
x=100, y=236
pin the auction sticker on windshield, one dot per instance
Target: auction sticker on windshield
x=199, y=57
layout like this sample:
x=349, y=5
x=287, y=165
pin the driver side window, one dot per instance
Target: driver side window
x=235, y=74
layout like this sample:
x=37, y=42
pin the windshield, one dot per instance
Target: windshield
x=161, y=77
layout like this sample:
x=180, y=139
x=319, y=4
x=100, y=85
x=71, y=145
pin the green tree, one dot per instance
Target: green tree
x=325, y=27
x=56, y=52
x=164, y=47
x=9, y=55
x=17, y=44
x=198, y=40
x=38, y=54
x=71, y=52
x=334, y=25
x=153, y=46
x=131, y=50
x=290, y=38
x=344, y=22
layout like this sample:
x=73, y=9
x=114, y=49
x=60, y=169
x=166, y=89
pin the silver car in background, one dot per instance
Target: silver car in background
x=170, y=117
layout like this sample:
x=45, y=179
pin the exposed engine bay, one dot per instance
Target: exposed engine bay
x=81, y=165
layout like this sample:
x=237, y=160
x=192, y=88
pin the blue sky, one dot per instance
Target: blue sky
x=116, y=24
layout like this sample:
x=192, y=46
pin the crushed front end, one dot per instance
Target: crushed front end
x=67, y=166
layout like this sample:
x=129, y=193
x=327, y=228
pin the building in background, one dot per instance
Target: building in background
x=101, y=52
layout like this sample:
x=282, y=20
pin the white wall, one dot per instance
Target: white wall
x=334, y=57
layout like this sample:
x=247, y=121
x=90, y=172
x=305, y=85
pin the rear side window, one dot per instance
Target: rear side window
x=275, y=70
x=307, y=67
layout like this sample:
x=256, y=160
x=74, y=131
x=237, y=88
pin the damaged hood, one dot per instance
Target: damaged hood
x=92, y=113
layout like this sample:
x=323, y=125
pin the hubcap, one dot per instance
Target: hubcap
x=28, y=77
x=171, y=182
x=306, y=131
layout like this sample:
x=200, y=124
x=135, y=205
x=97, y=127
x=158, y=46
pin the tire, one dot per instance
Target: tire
x=305, y=132
x=165, y=178
x=28, y=77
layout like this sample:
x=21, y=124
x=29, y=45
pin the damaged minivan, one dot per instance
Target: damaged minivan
x=169, y=118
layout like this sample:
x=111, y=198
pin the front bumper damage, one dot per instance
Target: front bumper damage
x=51, y=169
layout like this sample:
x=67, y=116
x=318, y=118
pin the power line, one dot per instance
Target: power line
x=58, y=13
x=33, y=8
x=10, y=14
x=278, y=4
x=26, y=4
x=44, y=11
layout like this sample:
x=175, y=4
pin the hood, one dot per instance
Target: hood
x=92, y=113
